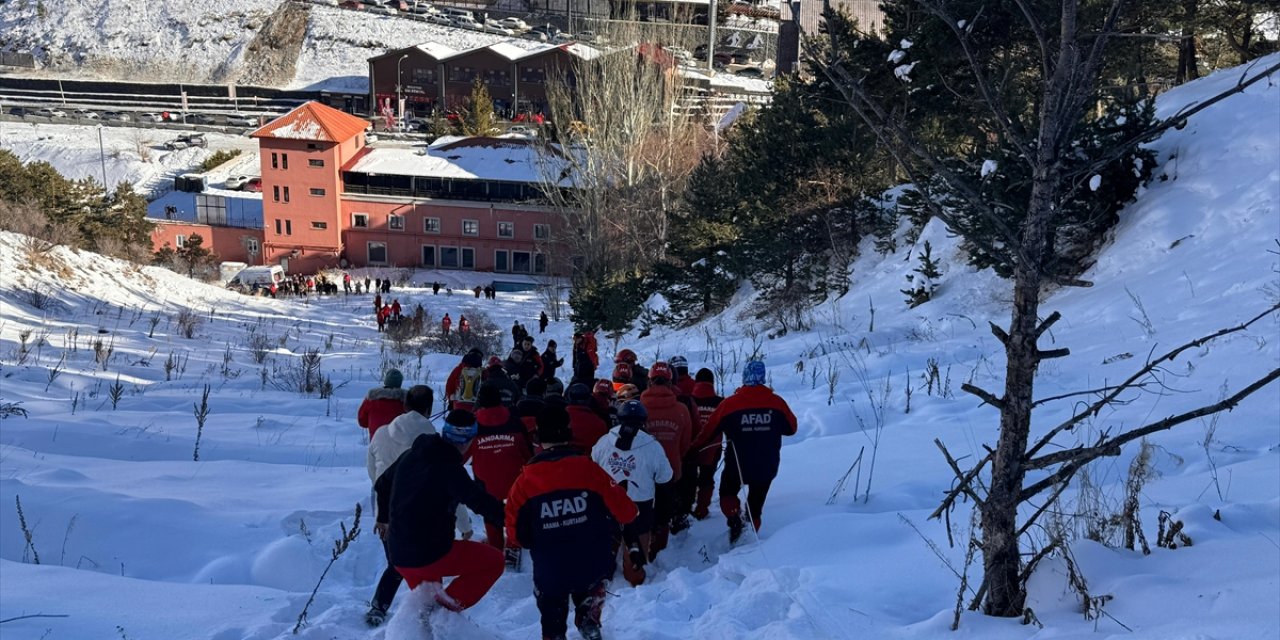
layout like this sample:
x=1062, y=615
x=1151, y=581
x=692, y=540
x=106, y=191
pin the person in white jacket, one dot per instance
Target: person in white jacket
x=635, y=460
x=387, y=445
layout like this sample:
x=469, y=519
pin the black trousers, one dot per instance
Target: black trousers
x=731, y=483
x=588, y=604
x=665, y=498
x=388, y=584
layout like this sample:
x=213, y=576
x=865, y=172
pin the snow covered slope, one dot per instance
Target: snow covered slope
x=135, y=539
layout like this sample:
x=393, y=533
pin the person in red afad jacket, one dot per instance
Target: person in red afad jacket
x=671, y=424
x=587, y=425
x=753, y=421
x=501, y=447
x=382, y=404
x=445, y=323
x=683, y=383
x=567, y=512
x=700, y=466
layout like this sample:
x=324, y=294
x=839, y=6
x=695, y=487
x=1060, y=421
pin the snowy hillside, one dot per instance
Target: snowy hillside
x=137, y=540
x=203, y=42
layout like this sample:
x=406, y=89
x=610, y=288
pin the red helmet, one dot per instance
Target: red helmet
x=626, y=355
x=661, y=371
x=603, y=388
x=622, y=372
x=495, y=361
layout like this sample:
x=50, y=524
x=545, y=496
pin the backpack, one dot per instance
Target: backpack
x=468, y=385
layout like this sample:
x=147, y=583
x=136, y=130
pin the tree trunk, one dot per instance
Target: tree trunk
x=1187, y=64
x=1001, y=554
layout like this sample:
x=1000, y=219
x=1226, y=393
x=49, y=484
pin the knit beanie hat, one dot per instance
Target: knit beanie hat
x=393, y=379
x=553, y=425
x=459, y=426
x=488, y=396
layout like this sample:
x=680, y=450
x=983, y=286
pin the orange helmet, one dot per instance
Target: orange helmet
x=626, y=355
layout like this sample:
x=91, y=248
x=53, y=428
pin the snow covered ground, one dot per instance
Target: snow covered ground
x=131, y=154
x=137, y=540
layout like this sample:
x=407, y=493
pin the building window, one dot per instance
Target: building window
x=506, y=230
x=423, y=76
x=319, y=225
x=275, y=161
x=288, y=227
x=395, y=223
x=275, y=193
x=500, y=259
x=360, y=220
x=539, y=263
x=470, y=227
x=378, y=252
x=286, y=194
x=428, y=255
x=316, y=163
x=533, y=75
x=449, y=257
x=496, y=77
x=541, y=232
x=468, y=258
x=284, y=161
x=317, y=192
x=251, y=245
x=181, y=241
x=520, y=261
x=461, y=74
x=279, y=226
x=431, y=225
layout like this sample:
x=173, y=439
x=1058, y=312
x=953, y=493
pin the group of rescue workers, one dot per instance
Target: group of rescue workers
x=577, y=476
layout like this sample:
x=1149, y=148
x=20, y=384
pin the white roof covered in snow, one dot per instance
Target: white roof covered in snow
x=497, y=159
x=435, y=49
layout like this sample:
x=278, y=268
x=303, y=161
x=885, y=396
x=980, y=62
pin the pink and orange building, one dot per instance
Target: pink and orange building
x=329, y=199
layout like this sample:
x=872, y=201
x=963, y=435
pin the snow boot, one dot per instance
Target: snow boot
x=376, y=616
x=513, y=556
x=633, y=566
x=586, y=615
x=735, y=528
x=679, y=523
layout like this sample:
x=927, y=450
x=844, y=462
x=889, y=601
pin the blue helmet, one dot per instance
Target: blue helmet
x=753, y=374
x=632, y=411
x=459, y=427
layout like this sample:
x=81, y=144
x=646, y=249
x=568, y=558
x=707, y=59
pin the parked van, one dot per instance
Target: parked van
x=458, y=13
x=251, y=278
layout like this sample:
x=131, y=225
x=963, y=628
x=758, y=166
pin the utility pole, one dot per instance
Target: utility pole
x=712, y=6
x=102, y=156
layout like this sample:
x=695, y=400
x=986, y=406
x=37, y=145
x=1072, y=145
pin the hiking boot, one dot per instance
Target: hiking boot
x=590, y=631
x=679, y=523
x=376, y=616
x=512, y=556
x=735, y=528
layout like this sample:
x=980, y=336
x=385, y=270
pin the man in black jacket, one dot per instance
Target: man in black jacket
x=427, y=483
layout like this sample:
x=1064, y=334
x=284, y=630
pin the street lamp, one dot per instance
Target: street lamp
x=399, y=87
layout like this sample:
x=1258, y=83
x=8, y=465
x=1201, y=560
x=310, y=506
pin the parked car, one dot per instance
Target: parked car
x=522, y=130
x=254, y=185
x=440, y=18
x=237, y=182
x=187, y=140
x=422, y=8
x=327, y=3
x=463, y=22
x=117, y=116
x=242, y=120
x=202, y=118
x=85, y=114
x=50, y=112
x=587, y=36
x=515, y=24
x=150, y=116
x=385, y=10
x=536, y=36
x=493, y=27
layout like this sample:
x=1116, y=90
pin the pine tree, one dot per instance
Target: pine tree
x=478, y=118
x=922, y=282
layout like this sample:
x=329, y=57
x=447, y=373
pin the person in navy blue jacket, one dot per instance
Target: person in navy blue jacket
x=753, y=420
x=568, y=513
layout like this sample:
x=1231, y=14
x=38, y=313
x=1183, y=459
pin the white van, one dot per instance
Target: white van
x=251, y=278
x=465, y=15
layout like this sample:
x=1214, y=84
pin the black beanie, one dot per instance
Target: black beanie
x=488, y=397
x=535, y=387
x=473, y=358
x=553, y=425
x=704, y=375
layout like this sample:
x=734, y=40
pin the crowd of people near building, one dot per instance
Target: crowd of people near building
x=591, y=478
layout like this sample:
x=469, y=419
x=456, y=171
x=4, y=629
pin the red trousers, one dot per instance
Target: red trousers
x=476, y=565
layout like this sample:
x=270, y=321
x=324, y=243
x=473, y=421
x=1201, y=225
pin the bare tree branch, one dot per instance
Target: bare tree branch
x=1111, y=447
x=964, y=480
x=985, y=395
